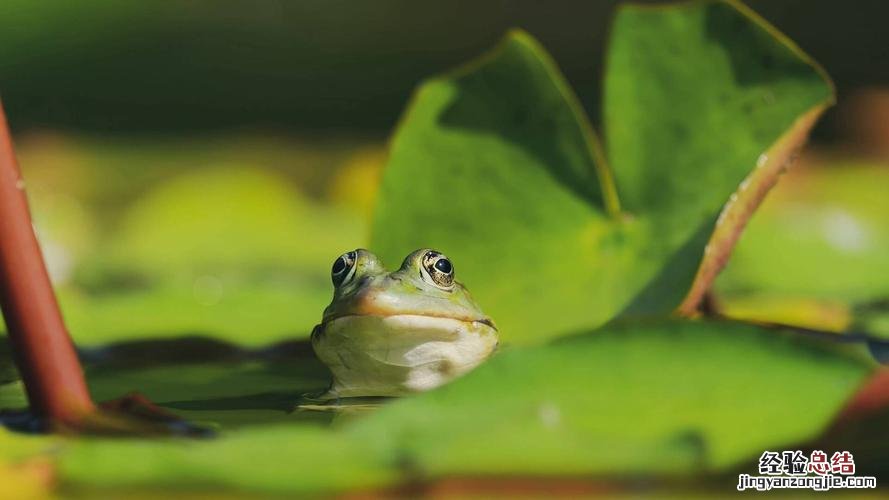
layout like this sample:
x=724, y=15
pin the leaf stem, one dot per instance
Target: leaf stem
x=41, y=344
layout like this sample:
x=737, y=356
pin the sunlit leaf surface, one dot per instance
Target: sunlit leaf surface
x=495, y=165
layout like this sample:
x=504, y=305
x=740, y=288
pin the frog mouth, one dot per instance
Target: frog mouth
x=486, y=321
x=481, y=321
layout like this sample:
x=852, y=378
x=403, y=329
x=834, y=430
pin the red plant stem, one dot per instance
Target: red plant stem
x=43, y=349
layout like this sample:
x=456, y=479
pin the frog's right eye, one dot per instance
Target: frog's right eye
x=343, y=268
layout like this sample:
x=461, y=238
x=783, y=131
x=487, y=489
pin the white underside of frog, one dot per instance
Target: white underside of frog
x=401, y=354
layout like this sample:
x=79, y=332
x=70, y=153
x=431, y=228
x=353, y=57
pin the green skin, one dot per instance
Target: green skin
x=394, y=333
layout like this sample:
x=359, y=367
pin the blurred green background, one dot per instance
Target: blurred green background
x=195, y=167
x=320, y=66
x=276, y=114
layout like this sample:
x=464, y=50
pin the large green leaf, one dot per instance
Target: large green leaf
x=495, y=165
x=681, y=398
x=696, y=96
x=661, y=398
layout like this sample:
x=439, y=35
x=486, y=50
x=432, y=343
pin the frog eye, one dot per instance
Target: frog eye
x=438, y=269
x=343, y=268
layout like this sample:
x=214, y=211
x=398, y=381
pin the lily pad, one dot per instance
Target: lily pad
x=215, y=383
x=681, y=398
x=677, y=398
x=496, y=165
x=662, y=398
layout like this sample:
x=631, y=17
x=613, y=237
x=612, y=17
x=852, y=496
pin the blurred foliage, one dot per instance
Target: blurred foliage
x=23, y=477
x=214, y=64
x=225, y=236
x=7, y=370
x=822, y=235
x=231, y=238
x=356, y=185
x=815, y=254
x=316, y=64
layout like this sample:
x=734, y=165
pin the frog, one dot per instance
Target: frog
x=391, y=334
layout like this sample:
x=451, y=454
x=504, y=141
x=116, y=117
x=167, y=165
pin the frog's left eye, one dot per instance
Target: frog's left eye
x=438, y=269
x=343, y=268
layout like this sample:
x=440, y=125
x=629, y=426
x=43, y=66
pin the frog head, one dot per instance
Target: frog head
x=391, y=333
